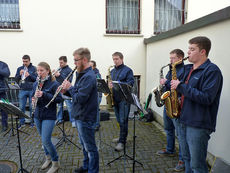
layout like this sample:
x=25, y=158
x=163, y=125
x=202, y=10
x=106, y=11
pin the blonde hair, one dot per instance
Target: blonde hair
x=47, y=67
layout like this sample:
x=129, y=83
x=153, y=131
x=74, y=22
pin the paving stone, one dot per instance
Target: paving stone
x=149, y=139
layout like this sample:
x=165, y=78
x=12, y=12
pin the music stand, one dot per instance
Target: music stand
x=131, y=98
x=14, y=110
x=12, y=96
x=64, y=137
x=102, y=87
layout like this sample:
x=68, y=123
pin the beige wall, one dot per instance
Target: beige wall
x=157, y=56
x=57, y=27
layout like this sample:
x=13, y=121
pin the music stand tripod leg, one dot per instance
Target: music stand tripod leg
x=19, y=149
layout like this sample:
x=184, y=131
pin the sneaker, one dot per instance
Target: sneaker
x=180, y=166
x=80, y=170
x=163, y=152
x=73, y=124
x=115, y=140
x=119, y=147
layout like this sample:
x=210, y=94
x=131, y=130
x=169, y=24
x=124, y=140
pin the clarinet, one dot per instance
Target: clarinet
x=38, y=88
x=60, y=87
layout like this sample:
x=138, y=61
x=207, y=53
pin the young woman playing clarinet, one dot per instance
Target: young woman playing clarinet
x=44, y=118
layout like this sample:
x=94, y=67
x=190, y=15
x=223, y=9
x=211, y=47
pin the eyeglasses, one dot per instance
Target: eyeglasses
x=78, y=59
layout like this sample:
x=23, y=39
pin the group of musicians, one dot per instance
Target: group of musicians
x=198, y=84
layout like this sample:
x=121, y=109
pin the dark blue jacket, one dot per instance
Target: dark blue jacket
x=84, y=96
x=49, y=88
x=63, y=74
x=4, y=73
x=98, y=76
x=123, y=74
x=28, y=85
x=201, y=96
x=179, y=72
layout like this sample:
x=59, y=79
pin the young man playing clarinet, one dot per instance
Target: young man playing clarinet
x=85, y=106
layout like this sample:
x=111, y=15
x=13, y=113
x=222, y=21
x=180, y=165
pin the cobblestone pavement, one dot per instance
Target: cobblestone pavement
x=150, y=138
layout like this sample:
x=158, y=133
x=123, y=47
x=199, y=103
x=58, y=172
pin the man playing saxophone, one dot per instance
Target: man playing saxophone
x=123, y=74
x=171, y=124
x=201, y=89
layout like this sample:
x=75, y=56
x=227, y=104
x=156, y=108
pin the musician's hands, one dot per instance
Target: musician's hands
x=162, y=81
x=66, y=85
x=27, y=74
x=38, y=93
x=174, y=84
x=57, y=74
x=21, y=72
x=33, y=99
x=110, y=84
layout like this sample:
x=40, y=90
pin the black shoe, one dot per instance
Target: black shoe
x=4, y=128
x=97, y=128
x=80, y=170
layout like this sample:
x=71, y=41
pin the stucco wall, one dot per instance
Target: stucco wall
x=158, y=55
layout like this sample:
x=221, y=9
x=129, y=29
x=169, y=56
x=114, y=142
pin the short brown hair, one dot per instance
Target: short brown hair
x=118, y=54
x=178, y=52
x=94, y=63
x=63, y=58
x=83, y=53
x=202, y=42
x=26, y=57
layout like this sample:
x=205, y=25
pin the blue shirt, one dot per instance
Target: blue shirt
x=4, y=73
x=123, y=74
x=28, y=85
x=49, y=88
x=84, y=96
x=63, y=74
x=201, y=95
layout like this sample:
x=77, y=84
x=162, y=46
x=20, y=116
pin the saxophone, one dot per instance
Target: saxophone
x=109, y=96
x=159, y=90
x=170, y=98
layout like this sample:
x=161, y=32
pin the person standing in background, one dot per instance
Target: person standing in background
x=26, y=75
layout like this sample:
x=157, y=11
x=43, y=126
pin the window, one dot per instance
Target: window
x=168, y=14
x=9, y=14
x=123, y=16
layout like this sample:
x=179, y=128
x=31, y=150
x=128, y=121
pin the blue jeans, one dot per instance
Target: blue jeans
x=60, y=110
x=122, y=114
x=23, y=95
x=97, y=124
x=194, y=145
x=45, y=129
x=170, y=125
x=86, y=132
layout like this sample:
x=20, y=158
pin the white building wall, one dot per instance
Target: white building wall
x=200, y=8
x=54, y=28
x=158, y=55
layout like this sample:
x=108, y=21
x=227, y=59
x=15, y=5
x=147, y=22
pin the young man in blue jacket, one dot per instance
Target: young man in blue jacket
x=123, y=74
x=4, y=73
x=98, y=76
x=26, y=75
x=170, y=125
x=60, y=74
x=200, y=89
x=85, y=105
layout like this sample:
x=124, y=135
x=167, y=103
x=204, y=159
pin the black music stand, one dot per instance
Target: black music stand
x=126, y=95
x=12, y=95
x=14, y=110
x=64, y=137
x=102, y=87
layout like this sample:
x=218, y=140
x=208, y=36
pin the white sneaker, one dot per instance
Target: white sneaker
x=119, y=147
x=115, y=140
x=73, y=124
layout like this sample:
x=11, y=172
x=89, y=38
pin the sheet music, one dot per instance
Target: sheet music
x=136, y=101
